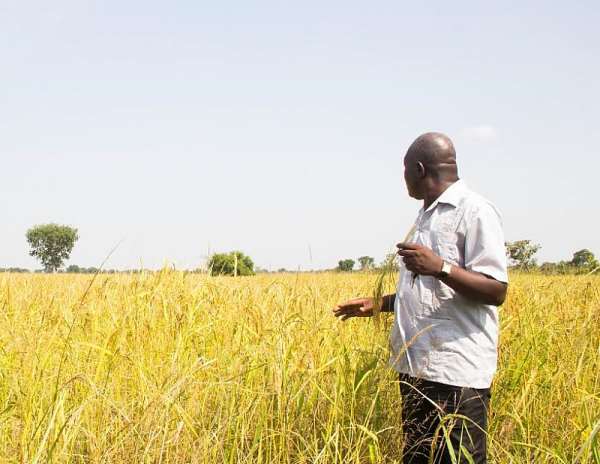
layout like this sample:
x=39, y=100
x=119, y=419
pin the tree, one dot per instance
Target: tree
x=234, y=263
x=346, y=265
x=522, y=253
x=584, y=259
x=366, y=263
x=51, y=244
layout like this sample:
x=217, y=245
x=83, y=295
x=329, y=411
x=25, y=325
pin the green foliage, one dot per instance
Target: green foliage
x=51, y=244
x=583, y=262
x=584, y=259
x=346, y=265
x=75, y=269
x=366, y=263
x=521, y=253
x=234, y=263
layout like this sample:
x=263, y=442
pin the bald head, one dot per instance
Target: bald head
x=430, y=162
x=434, y=150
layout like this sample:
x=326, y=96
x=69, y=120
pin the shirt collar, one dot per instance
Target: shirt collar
x=452, y=195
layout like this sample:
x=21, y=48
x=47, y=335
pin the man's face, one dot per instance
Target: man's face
x=412, y=177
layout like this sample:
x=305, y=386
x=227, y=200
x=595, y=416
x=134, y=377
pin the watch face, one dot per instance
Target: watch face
x=446, y=268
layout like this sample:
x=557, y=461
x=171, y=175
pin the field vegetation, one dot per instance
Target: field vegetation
x=173, y=367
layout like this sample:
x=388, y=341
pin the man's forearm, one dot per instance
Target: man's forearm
x=476, y=286
x=472, y=285
x=387, y=303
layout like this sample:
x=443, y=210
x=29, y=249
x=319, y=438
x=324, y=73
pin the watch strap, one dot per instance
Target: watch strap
x=445, y=271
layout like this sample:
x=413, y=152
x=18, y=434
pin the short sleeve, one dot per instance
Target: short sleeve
x=485, y=251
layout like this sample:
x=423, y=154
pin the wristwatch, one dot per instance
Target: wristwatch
x=445, y=271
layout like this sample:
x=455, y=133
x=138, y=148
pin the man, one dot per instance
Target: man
x=444, y=338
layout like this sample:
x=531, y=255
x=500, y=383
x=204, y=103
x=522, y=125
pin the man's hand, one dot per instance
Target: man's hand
x=357, y=307
x=419, y=259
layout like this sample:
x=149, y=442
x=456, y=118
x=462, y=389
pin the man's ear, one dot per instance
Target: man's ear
x=421, y=170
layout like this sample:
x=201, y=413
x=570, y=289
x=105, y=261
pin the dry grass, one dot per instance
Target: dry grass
x=169, y=367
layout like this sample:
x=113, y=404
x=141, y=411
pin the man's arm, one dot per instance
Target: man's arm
x=483, y=277
x=421, y=260
x=363, y=307
x=476, y=286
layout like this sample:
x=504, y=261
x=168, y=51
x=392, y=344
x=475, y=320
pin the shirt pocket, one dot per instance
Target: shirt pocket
x=446, y=239
x=446, y=243
x=447, y=247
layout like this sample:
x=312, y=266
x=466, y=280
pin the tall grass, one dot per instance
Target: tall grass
x=172, y=368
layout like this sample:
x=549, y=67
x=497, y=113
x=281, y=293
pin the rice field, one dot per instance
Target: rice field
x=172, y=367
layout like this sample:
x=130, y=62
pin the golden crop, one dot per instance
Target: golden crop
x=175, y=368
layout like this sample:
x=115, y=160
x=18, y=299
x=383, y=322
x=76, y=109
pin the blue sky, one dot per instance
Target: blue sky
x=280, y=127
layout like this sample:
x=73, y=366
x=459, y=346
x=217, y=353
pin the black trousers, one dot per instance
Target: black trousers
x=431, y=426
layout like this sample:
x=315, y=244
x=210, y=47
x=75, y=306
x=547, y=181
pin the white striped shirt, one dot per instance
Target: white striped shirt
x=438, y=334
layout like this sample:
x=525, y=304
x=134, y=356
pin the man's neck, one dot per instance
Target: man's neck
x=434, y=191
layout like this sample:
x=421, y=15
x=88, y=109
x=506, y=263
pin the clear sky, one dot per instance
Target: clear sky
x=279, y=128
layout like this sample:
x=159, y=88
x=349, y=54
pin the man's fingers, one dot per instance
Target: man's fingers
x=409, y=260
x=409, y=265
x=347, y=306
x=343, y=315
x=351, y=308
x=352, y=302
x=408, y=252
x=347, y=310
x=409, y=246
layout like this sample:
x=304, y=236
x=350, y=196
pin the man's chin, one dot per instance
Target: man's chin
x=416, y=196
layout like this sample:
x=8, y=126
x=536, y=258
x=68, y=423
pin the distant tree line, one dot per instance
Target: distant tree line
x=52, y=244
x=521, y=256
x=74, y=269
x=366, y=263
